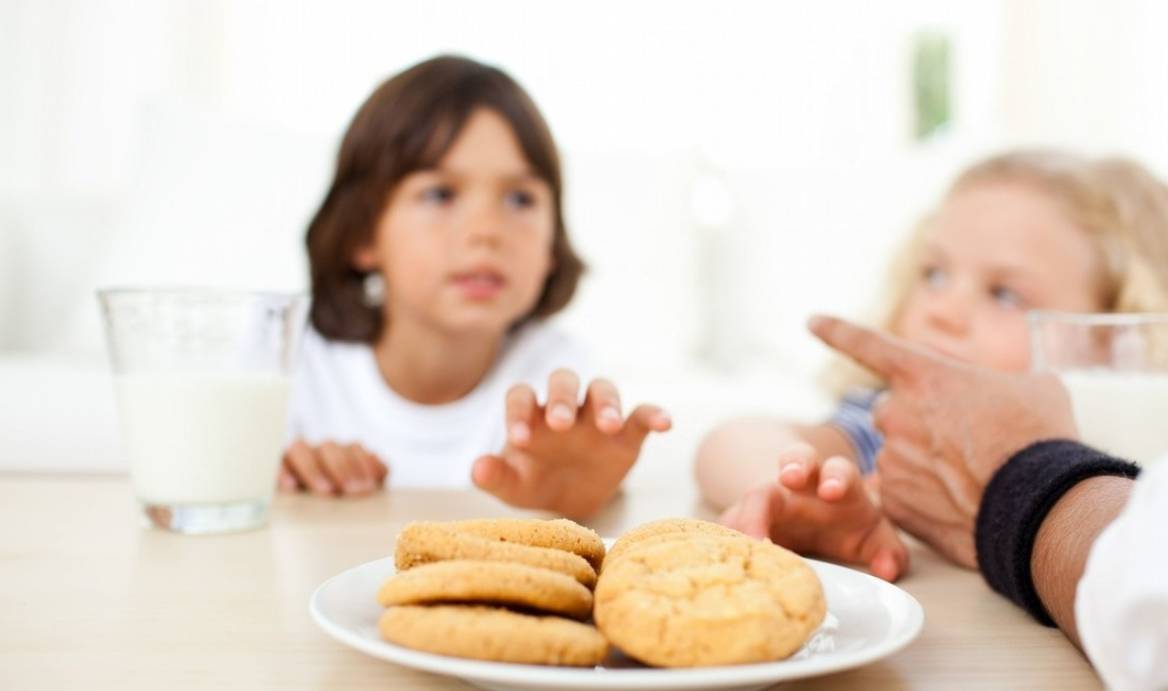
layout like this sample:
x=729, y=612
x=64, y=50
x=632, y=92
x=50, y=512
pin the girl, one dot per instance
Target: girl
x=439, y=249
x=1020, y=231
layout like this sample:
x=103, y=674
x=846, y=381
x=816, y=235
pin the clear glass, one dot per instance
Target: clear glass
x=202, y=379
x=1115, y=367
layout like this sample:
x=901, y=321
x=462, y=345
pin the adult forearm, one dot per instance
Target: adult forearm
x=1064, y=541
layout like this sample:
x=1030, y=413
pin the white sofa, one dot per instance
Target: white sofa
x=59, y=414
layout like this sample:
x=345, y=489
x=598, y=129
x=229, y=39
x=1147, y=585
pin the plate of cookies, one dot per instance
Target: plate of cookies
x=673, y=604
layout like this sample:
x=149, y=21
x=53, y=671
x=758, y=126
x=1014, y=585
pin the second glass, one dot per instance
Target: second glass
x=1115, y=367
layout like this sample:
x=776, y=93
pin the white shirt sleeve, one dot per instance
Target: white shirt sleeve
x=1121, y=604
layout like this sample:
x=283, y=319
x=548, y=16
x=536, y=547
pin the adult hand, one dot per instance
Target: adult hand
x=947, y=428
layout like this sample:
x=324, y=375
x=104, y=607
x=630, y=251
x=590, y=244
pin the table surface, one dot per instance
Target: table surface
x=91, y=599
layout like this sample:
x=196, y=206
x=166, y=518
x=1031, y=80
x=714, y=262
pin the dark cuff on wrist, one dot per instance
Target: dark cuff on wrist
x=1016, y=501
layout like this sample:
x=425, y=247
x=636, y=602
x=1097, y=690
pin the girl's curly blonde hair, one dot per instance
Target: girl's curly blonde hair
x=1121, y=205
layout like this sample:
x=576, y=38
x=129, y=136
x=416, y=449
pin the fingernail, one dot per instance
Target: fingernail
x=790, y=469
x=519, y=432
x=610, y=413
x=832, y=484
x=561, y=412
x=322, y=487
x=287, y=482
x=665, y=418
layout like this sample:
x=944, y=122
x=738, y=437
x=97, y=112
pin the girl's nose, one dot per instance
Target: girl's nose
x=949, y=311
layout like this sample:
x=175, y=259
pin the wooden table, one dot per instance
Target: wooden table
x=90, y=599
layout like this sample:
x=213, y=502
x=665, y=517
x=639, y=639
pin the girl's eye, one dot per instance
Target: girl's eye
x=438, y=194
x=520, y=199
x=1006, y=297
x=934, y=277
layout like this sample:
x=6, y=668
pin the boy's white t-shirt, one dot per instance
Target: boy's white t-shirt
x=339, y=395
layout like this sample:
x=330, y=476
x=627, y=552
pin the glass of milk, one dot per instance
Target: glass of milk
x=202, y=386
x=1115, y=367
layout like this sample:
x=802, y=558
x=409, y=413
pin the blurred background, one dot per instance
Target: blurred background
x=731, y=167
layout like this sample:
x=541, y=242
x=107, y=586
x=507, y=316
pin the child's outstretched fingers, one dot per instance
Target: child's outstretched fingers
x=563, y=399
x=754, y=512
x=494, y=475
x=521, y=412
x=885, y=553
x=838, y=479
x=604, y=401
x=890, y=563
x=647, y=418
x=799, y=466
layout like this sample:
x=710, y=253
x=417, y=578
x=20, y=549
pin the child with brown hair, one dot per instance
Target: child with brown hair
x=439, y=250
x=1020, y=231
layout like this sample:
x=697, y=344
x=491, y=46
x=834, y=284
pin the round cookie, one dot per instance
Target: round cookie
x=708, y=600
x=496, y=583
x=421, y=543
x=654, y=530
x=488, y=633
x=560, y=533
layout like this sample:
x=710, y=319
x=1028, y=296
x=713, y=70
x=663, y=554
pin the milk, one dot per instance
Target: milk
x=1123, y=413
x=203, y=438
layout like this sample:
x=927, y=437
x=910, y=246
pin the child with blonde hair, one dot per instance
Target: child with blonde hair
x=1020, y=231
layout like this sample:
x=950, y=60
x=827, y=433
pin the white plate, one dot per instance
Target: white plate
x=867, y=619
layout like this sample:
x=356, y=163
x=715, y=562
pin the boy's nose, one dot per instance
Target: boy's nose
x=484, y=224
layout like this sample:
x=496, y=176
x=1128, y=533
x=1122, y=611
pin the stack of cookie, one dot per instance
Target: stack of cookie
x=687, y=593
x=508, y=590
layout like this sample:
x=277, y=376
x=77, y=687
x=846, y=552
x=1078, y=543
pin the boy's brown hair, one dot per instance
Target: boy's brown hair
x=406, y=125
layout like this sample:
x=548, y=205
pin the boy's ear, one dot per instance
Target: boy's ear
x=364, y=258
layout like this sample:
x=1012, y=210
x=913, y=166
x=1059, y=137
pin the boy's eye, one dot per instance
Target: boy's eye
x=934, y=277
x=438, y=194
x=1006, y=297
x=520, y=199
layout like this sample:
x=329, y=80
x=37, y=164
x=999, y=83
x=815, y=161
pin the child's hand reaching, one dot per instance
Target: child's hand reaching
x=331, y=469
x=566, y=457
x=823, y=509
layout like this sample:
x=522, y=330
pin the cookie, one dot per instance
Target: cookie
x=495, y=583
x=560, y=533
x=422, y=543
x=708, y=599
x=489, y=633
x=653, y=531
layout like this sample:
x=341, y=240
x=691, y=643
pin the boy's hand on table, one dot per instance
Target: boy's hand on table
x=331, y=469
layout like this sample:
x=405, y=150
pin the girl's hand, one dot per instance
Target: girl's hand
x=331, y=469
x=563, y=456
x=822, y=509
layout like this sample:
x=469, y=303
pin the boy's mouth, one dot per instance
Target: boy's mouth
x=480, y=283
